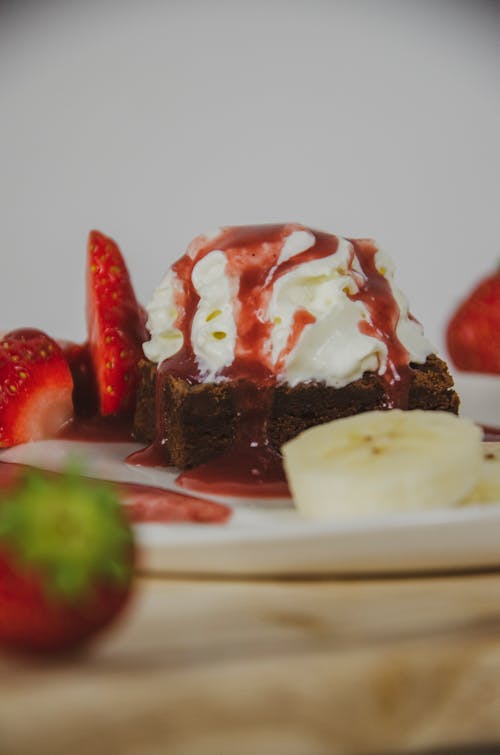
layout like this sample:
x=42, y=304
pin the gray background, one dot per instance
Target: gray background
x=154, y=121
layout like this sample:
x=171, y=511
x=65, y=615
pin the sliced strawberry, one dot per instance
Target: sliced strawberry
x=66, y=562
x=35, y=387
x=85, y=399
x=115, y=326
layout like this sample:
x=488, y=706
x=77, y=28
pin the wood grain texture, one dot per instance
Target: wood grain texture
x=285, y=668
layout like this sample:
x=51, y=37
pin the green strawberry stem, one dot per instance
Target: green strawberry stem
x=70, y=531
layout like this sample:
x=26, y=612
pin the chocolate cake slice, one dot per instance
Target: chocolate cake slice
x=199, y=421
x=260, y=332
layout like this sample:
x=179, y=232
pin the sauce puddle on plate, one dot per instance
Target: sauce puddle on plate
x=490, y=433
x=142, y=503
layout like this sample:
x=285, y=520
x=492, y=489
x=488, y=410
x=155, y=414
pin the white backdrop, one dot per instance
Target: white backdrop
x=153, y=121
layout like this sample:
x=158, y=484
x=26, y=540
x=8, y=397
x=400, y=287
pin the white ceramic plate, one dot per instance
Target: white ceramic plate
x=269, y=538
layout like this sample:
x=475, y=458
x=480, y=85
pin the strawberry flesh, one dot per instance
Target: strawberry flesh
x=116, y=326
x=473, y=333
x=35, y=387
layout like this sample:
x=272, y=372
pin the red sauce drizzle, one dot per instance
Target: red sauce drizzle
x=146, y=504
x=491, y=433
x=376, y=294
x=301, y=318
x=143, y=503
x=154, y=455
x=251, y=466
x=98, y=429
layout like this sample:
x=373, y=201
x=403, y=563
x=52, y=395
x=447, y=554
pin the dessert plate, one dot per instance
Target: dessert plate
x=266, y=538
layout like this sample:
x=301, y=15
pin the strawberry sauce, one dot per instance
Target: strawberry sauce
x=146, y=505
x=377, y=296
x=98, y=429
x=251, y=466
x=143, y=503
x=491, y=433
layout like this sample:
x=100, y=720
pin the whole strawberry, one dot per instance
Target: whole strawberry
x=35, y=387
x=116, y=326
x=473, y=333
x=66, y=561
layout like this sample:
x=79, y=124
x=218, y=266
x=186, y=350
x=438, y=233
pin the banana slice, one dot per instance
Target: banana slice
x=487, y=488
x=382, y=462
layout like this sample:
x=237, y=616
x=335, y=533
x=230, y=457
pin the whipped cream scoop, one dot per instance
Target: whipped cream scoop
x=283, y=303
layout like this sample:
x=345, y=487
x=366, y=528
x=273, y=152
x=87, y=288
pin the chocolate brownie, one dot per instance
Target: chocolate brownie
x=200, y=420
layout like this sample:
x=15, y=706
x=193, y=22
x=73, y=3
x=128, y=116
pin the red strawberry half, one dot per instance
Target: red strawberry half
x=116, y=326
x=35, y=387
x=473, y=333
x=66, y=562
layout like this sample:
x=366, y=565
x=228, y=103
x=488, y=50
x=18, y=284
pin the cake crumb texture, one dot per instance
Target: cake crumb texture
x=198, y=422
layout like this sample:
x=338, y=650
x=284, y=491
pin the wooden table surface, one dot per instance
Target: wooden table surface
x=202, y=667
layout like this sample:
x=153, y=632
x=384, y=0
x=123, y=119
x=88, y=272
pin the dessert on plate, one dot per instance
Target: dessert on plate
x=260, y=332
